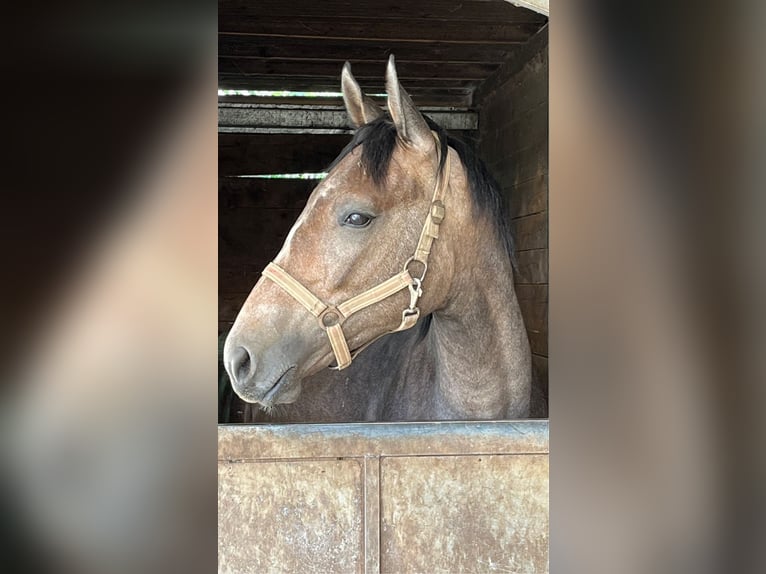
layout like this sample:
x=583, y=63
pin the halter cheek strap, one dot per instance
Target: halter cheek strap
x=331, y=318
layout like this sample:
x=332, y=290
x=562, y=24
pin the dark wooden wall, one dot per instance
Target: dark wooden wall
x=255, y=215
x=513, y=140
x=444, y=48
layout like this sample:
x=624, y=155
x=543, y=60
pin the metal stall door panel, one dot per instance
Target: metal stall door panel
x=464, y=514
x=290, y=516
x=392, y=497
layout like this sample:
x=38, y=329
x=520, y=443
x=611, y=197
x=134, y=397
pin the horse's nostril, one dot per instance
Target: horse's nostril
x=241, y=364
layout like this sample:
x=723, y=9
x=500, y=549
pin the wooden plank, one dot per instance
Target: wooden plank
x=528, y=197
x=518, y=101
x=287, y=130
x=421, y=99
x=245, y=236
x=536, y=293
x=539, y=403
x=267, y=154
x=236, y=193
x=254, y=154
x=229, y=305
x=537, y=44
x=422, y=95
x=237, y=278
x=520, y=94
x=406, y=69
x=535, y=316
x=332, y=84
x=530, y=231
x=265, y=116
x=372, y=28
x=538, y=342
x=519, y=166
x=503, y=141
x=540, y=370
x=359, y=50
x=532, y=266
x=465, y=11
x=534, y=306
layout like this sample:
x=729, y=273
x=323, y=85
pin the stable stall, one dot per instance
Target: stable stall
x=363, y=497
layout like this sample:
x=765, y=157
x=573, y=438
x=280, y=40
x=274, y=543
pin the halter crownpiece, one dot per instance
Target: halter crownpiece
x=331, y=318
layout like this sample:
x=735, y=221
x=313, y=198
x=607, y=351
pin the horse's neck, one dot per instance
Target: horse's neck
x=480, y=347
x=474, y=361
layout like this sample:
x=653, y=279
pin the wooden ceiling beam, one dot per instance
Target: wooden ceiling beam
x=427, y=99
x=255, y=118
x=406, y=69
x=415, y=30
x=246, y=154
x=464, y=11
x=332, y=83
x=357, y=50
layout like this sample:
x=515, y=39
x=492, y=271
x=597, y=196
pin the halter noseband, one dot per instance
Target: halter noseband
x=331, y=318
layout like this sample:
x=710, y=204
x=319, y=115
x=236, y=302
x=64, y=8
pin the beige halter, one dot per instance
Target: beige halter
x=332, y=317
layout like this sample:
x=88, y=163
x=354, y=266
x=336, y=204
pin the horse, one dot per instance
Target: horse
x=403, y=255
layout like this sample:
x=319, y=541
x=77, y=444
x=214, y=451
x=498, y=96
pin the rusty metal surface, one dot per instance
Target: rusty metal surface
x=302, y=516
x=464, y=514
x=402, y=497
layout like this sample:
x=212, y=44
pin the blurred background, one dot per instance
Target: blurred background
x=657, y=276
x=657, y=281
x=108, y=339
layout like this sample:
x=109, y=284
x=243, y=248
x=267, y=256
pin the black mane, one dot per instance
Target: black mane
x=379, y=139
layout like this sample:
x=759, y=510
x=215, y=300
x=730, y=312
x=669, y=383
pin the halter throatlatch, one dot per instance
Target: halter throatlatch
x=331, y=318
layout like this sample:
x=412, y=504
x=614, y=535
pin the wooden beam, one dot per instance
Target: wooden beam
x=416, y=30
x=405, y=68
x=332, y=83
x=465, y=11
x=520, y=58
x=422, y=99
x=357, y=50
x=259, y=154
x=246, y=118
x=539, y=6
x=264, y=194
x=240, y=154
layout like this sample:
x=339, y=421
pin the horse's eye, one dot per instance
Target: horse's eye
x=357, y=220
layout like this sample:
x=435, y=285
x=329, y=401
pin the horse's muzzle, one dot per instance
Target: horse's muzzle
x=265, y=386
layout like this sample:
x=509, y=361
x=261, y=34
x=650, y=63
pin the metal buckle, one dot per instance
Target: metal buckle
x=413, y=260
x=416, y=292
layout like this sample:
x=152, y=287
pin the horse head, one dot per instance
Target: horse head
x=353, y=268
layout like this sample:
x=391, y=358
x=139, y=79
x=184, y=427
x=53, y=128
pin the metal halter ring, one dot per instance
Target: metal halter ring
x=423, y=263
x=330, y=317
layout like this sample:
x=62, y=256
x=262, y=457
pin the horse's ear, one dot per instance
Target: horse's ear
x=410, y=123
x=361, y=109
